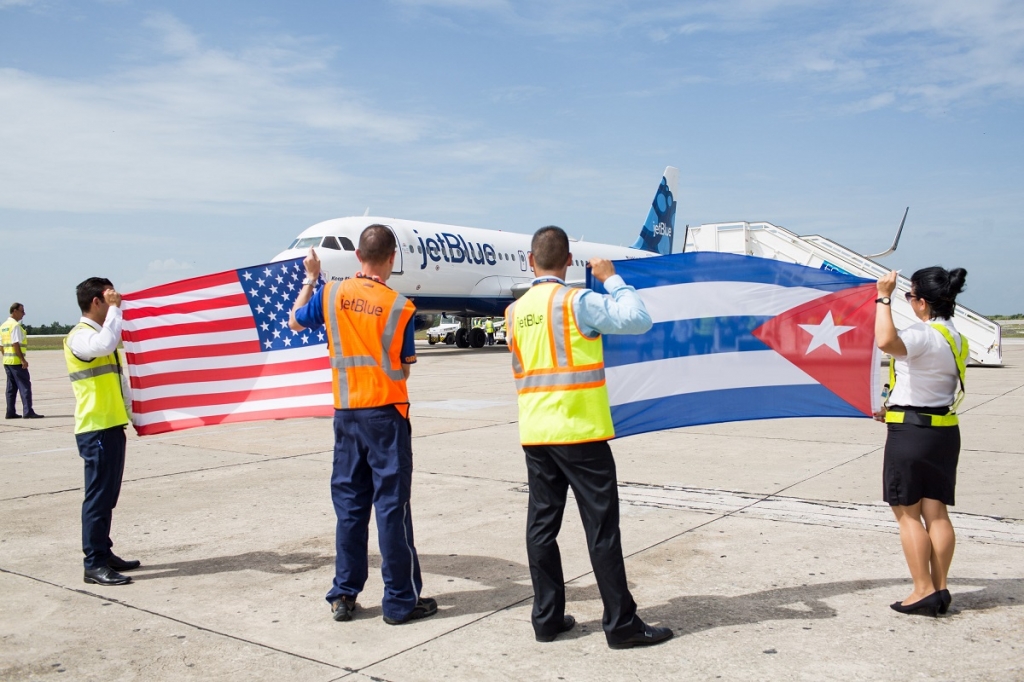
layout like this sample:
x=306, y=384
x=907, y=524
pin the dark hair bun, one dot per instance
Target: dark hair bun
x=956, y=281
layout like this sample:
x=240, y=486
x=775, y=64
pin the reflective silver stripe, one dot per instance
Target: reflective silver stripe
x=557, y=327
x=560, y=379
x=332, y=325
x=93, y=372
x=517, y=367
x=390, y=329
x=353, y=361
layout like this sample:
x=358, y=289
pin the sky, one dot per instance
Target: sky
x=152, y=141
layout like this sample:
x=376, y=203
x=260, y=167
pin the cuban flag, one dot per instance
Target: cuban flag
x=738, y=338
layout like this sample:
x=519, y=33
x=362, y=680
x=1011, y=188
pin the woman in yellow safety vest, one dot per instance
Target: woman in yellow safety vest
x=926, y=377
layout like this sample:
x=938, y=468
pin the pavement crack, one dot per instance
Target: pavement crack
x=164, y=616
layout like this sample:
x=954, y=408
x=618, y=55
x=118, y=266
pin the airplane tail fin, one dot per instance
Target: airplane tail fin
x=656, y=234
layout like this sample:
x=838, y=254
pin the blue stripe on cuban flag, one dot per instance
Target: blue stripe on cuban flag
x=701, y=363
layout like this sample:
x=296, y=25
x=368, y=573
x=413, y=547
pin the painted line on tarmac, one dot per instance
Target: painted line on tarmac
x=849, y=515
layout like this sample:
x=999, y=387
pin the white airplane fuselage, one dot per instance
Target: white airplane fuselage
x=445, y=268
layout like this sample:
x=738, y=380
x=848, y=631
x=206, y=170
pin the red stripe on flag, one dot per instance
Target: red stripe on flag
x=186, y=352
x=192, y=422
x=232, y=399
x=204, y=327
x=229, y=301
x=230, y=373
x=182, y=286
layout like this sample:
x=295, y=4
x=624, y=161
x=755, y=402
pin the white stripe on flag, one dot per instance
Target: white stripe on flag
x=698, y=373
x=235, y=408
x=723, y=299
x=227, y=386
x=185, y=297
x=228, y=361
x=228, y=313
x=238, y=336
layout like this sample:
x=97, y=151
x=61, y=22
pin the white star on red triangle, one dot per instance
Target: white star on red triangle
x=826, y=333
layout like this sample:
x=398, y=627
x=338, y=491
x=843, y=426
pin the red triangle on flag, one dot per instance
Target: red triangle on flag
x=832, y=339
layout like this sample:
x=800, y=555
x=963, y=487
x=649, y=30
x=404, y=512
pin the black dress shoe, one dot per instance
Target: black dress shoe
x=568, y=623
x=104, y=575
x=425, y=607
x=118, y=564
x=947, y=599
x=33, y=415
x=13, y=416
x=930, y=605
x=645, y=637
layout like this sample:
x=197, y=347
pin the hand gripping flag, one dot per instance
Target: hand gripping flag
x=738, y=338
x=217, y=349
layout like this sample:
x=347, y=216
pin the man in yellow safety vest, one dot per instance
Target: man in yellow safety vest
x=101, y=414
x=554, y=333
x=15, y=343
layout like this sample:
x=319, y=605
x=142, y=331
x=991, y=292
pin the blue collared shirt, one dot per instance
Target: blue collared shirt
x=621, y=311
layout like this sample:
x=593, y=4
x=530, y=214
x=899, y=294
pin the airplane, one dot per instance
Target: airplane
x=467, y=272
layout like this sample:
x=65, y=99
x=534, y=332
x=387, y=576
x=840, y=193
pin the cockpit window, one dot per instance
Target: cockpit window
x=346, y=244
x=331, y=243
x=306, y=242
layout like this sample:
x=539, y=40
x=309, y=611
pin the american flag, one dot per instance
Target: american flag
x=217, y=349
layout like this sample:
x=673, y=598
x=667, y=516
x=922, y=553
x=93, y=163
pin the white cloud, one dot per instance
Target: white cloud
x=197, y=128
x=167, y=265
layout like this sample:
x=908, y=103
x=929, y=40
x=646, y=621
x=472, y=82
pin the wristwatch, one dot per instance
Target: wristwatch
x=310, y=281
x=885, y=300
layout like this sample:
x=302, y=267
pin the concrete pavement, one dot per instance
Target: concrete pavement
x=762, y=544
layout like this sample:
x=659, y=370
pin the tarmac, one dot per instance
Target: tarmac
x=763, y=545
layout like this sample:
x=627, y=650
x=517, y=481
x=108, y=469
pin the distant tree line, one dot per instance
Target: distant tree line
x=52, y=328
x=1018, y=316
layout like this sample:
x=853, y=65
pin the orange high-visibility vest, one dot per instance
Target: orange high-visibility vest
x=366, y=323
x=559, y=371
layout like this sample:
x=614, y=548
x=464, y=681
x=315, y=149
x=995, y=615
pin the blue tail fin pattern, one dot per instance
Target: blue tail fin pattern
x=656, y=234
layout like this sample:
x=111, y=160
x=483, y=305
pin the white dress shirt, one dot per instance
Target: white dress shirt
x=98, y=341
x=927, y=375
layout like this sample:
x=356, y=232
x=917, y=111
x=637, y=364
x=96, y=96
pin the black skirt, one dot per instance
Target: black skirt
x=920, y=461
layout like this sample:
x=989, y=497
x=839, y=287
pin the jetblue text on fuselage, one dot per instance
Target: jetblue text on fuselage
x=453, y=248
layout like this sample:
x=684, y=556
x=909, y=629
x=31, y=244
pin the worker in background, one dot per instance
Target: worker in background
x=554, y=333
x=489, y=328
x=15, y=342
x=101, y=415
x=370, y=333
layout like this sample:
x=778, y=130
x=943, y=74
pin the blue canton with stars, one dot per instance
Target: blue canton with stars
x=272, y=290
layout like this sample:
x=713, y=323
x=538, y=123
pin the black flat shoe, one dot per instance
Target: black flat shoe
x=13, y=416
x=104, y=575
x=424, y=608
x=930, y=605
x=118, y=564
x=33, y=416
x=947, y=599
x=568, y=623
x=647, y=636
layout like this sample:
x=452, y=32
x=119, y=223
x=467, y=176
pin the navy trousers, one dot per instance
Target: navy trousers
x=18, y=381
x=103, y=452
x=373, y=467
x=590, y=469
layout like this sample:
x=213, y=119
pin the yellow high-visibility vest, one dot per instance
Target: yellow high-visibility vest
x=960, y=355
x=559, y=371
x=99, y=403
x=6, y=330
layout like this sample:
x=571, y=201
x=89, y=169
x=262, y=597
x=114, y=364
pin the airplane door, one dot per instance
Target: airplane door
x=396, y=269
x=522, y=261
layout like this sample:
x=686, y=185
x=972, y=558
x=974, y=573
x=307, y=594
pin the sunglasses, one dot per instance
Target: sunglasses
x=909, y=296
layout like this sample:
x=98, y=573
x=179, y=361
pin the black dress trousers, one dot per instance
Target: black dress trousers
x=589, y=469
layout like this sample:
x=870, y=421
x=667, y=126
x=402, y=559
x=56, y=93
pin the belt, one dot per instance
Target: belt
x=900, y=416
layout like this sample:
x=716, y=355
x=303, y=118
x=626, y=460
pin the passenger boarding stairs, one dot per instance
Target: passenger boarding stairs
x=771, y=241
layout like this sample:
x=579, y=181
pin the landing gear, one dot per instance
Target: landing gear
x=477, y=337
x=462, y=337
